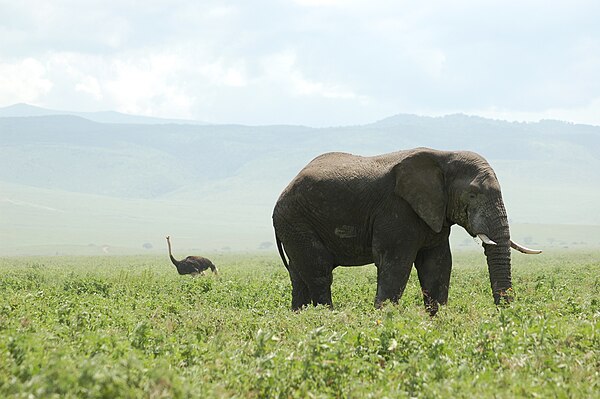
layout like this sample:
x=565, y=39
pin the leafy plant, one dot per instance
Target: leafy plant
x=129, y=327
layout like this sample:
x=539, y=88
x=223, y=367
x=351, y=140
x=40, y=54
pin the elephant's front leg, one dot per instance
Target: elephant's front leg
x=393, y=271
x=433, y=267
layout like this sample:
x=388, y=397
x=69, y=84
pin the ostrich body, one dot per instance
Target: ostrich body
x=193, y=265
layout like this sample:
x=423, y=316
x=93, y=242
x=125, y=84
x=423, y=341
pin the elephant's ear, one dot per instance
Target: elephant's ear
x=420, y=182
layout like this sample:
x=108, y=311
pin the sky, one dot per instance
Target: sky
x=310, y=62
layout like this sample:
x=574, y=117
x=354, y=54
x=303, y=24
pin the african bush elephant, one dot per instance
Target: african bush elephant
x=394, y=210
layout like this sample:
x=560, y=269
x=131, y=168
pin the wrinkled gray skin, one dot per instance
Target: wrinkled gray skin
x=394, y=210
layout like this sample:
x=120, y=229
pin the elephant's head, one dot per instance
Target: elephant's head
x=445, y=188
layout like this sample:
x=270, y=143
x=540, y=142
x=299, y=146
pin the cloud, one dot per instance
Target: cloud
x=221, y=11
x=282, y=69
x=331, y=61
x=142, y=83
x=90, y=85
x=23, y=81
x=218, y=73
x=327, y=3
x=148, y=85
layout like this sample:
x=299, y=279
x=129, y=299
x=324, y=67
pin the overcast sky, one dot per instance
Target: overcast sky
x=312, y=62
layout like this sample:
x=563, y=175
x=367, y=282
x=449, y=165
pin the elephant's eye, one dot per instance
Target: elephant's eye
x=472, y=196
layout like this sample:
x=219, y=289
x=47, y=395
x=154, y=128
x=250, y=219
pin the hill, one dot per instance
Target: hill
x=24, y=110
x=68, y=180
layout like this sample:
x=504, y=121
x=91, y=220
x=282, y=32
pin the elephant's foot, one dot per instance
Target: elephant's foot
x=300, y=298
x=323, y=297
x=503, y=297
x=380, y=301
x=431, y=304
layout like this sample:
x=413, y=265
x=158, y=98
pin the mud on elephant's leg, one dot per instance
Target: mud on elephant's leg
x=393, y=272
x=433, y=267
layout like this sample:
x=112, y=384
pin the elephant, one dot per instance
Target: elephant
x=393, y=210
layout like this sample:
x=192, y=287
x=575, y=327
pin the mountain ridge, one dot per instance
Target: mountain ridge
x=218, y=183
x=28, y=110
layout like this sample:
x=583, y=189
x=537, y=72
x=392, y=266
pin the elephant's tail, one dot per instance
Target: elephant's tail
x=281, y=252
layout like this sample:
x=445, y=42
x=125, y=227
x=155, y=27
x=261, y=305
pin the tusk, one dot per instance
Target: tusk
x=486, y=239
x=523, y=249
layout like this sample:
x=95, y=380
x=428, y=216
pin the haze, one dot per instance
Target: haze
x=122, y=122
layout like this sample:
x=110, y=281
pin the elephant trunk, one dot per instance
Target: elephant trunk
x=493, y=222
x=498, y=260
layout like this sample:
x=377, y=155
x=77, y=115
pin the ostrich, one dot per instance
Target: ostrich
x=193, y=265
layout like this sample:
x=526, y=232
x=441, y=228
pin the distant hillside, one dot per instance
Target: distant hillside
x=65, y=173
x=147, y=161
x=25, y=110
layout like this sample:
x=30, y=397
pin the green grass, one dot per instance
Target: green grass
x=106, y=327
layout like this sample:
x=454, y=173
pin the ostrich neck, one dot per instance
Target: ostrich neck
x=175, y=262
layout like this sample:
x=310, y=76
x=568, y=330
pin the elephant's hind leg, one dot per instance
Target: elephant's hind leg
x=311, y=267
x=300, y=293
x=320, y=288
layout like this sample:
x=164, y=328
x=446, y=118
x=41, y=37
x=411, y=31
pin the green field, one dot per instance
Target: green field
x=107, y=327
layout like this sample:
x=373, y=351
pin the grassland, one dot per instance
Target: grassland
x=106, y=327
x=83, y=224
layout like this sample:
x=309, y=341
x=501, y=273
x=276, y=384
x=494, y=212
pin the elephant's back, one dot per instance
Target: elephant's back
x=340, y=166
x=343, y=163
x=334, y=176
